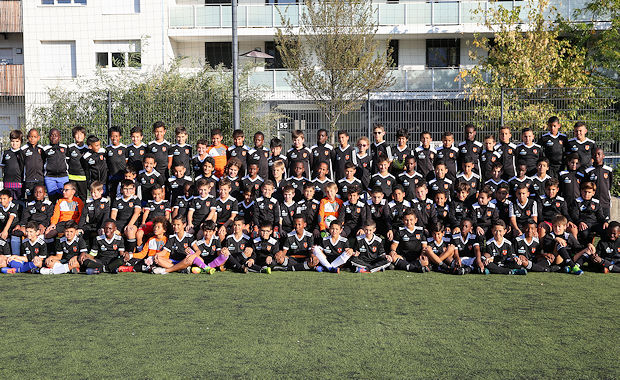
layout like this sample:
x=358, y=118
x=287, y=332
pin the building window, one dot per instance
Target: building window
x=217, y=53
x=443, y=52
x=58, y=59
x=211, y=2
x=276, y=62
x=394, y=47
x=118, y=54
x=63, y=2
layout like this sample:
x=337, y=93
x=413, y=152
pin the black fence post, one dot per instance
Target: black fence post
x=109, y=113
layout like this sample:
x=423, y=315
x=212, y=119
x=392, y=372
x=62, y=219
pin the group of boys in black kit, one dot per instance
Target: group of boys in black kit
x=490, y=206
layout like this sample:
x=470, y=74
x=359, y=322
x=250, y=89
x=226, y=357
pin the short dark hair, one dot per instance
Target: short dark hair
x=16, y=134
x=158, y=124
x=75, y=130
x=135, y=130
x=92, y=139
x=113, y=130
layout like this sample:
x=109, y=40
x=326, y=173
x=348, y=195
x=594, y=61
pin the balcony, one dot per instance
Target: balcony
x=11, y=80
x=10, y=16
x=404, y=80
x=408, y=12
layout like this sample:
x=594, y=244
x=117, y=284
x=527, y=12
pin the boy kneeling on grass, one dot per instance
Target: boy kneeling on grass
x=240, y=251
x=106, y=254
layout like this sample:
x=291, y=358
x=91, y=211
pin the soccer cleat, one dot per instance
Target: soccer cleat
x=576, y=270
x=159, y=270
x=74, y=271
x=35, y=270
x=319, y=268
x=222, y=268
x=92, y=271
x=486, y=272
x=208, y=270
x=566, y=269
x=426, y=269
x=125, y=268
x=335, y=270
x=185, y=270
x=605, y=270
x=266, y=270
x=360, y=270
x=8, y=270
x=196, y=270
x=46, y=271
x=520, y=271
x=459, y=271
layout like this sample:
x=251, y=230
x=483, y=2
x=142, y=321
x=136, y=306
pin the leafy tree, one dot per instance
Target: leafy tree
x=334, y=56
x=527, y=54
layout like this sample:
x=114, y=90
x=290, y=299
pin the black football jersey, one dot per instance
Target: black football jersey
x=440, y=247
x=236, y=247
x=107, y=249
x=95, y=212
x=210, y=248
x=39, y=212
x=157, y=208
x=260, y=157
x=524, y=212
x=525, y=248
x=590, y=212
x=6, y=212
x=69, y=249
x=182, y=204
x=96, y=166
x=465, y=245
x=344, y=185
x=554, y=147
x=264, y=248
x=550, y=207
x=181, y=156
x=30, y=249
x=202, y=208
x=246, y=211
x=499, y=252
x=176, y=246
x=241, y=153
x=528, y=156
x=116, y=159
x=449, y=157
x=252, y=184
x=176, y=187
x=425, y=158
x=583, y=148
x=333, y=249
x=507, y=151
x=410, y=242
x=33, y=162
x=160, y=150
x=12, y=165
x=296, y=246
x=74, y=159
x=385, y=182
x=266, y=210
x=609, y=250
x=369, y=249
x=364, y=169
x=148, y=181
x=304, y=155
x=125, y=209
x=341, y=157
x=135, y=156
x=225, y=209
x=537, y=186
x=569, y=185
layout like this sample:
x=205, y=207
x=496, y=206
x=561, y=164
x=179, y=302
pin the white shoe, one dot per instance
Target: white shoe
x=159, y=270
x=46, y=271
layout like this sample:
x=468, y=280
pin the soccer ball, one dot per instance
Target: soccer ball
x=196, y=270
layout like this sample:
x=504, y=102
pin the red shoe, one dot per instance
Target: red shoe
x=9, y=270
x=125, y=268
x=605, y=270
x=222, y=268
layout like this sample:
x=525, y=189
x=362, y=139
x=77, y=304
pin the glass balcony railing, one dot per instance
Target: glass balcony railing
x=408, y=12
x=404, y=80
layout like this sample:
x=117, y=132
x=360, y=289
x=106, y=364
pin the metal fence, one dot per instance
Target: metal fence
x=419, y=111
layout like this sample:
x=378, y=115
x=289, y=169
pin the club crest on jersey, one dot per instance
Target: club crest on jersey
x=42, y=208
x=374, y=249
x=101, y=157
x=36, y=250
x=102, y=206
x=115, y=247
x=74, y=249
x=535, y=151
x=587, y=147
x=475, y=149
x=489, y=213
x=163, y=148
x=605, y=175
x=528, y=212
x=592, y=206
x=186, y=151
x=228, y=207
x=504, y=252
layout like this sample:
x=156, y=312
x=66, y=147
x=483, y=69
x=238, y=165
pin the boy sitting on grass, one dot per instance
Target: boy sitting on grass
x=369, y=253
x=68, y=250
x=497, y=253
x=559, y=247
x=334, y=250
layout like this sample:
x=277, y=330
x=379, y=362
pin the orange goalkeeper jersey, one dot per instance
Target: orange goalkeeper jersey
x=219, y=156
x=328, y=208
x=67, y=210
x=152, y=246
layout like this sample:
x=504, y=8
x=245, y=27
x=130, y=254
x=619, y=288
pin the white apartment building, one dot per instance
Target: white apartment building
x=47, y=43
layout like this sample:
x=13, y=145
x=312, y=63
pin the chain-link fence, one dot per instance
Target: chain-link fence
x=435, y=111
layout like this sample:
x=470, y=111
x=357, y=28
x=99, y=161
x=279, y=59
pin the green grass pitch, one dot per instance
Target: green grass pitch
x=310, y=325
